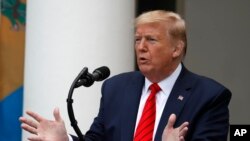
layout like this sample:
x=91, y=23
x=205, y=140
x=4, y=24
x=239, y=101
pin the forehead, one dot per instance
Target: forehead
x=151, y=29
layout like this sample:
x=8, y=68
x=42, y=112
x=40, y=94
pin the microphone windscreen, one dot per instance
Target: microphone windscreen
x=101, y=73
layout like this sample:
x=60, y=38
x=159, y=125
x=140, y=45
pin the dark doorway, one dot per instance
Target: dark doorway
x=147, y=5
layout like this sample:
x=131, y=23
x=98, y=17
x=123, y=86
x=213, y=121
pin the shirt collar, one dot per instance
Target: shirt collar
x=167, y=83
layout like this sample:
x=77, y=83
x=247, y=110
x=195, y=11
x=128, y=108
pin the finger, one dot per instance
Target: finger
x=183, y=129
x=34, y=138
x=36, y=116
x=29, y=122
x=183, y=132
x=183, y=125
x=182, y=138
x=171, y=121
x=57, y=115
x=29, y=129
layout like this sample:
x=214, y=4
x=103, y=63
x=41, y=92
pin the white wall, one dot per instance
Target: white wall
x=218, y=47
x=63, y=37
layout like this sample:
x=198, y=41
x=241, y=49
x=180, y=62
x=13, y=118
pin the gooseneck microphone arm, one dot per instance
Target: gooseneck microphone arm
x=86, y=79
x=70, y=106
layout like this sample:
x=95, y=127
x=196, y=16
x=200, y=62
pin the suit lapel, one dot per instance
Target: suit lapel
x=176, y=101
x=130, y=105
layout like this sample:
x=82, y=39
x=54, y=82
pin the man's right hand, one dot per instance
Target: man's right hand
x=43, y=129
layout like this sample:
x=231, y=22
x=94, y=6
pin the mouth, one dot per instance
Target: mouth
x=142, y=60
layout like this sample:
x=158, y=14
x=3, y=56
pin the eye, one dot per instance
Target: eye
x=137, y=39
x=151, y=39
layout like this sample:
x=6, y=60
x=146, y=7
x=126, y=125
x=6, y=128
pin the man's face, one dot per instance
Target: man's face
x=154, y=49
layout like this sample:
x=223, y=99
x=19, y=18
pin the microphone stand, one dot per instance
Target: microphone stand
x=84, y=73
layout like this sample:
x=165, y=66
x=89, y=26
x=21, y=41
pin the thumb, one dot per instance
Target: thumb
x=171, y=121
x=57, y=114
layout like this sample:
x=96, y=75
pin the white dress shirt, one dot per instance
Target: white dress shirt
x=166, y=86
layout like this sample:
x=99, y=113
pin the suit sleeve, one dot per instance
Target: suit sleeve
x=213, y=122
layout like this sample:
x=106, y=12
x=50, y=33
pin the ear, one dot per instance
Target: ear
x=179, y=48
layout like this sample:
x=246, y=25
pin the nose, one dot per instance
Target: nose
x=141, y=45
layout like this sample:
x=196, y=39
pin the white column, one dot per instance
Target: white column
x=62, y=37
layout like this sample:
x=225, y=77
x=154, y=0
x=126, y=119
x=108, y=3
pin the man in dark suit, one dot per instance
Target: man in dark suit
x=186, y=106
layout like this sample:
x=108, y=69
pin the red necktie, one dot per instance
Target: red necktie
x=145, y=128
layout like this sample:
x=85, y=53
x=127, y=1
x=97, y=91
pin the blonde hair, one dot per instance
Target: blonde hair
x=176, y=25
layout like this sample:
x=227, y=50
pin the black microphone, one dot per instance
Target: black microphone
x=87, y=79
x=101, y=73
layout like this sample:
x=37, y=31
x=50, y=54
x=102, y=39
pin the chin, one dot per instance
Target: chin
x=145, y=69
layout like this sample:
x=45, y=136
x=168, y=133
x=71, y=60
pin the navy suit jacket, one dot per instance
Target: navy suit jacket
x=204, y=106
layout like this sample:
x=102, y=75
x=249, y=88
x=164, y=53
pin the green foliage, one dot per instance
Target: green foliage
x=15, y=11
